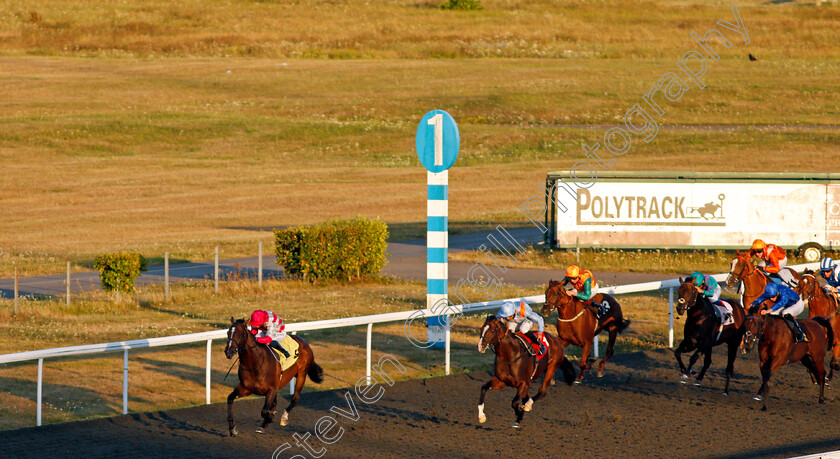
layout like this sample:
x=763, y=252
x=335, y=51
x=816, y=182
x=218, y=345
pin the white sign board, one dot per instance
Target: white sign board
x=673, y=214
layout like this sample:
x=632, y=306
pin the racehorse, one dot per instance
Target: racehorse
x=578, y=325
x=818, y=302
x=754, y=280
x=702, y=331
x=776, y=347
x=260, y=373
x=516, y=367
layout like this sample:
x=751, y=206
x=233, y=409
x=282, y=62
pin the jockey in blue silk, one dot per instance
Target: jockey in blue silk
x=521, y=319
x=829, y=272
x=707, y=285
x=786, y=303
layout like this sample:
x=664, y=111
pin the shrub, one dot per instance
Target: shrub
x=338, y=249
x=465, y=5
x=117, y=271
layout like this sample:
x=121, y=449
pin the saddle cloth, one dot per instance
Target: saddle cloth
x=533, y=345
x=724, y=313
x=292, y=347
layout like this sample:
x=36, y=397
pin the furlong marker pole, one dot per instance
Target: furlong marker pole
x=437, y=245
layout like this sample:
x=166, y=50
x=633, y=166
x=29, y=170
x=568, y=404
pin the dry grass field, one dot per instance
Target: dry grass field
x=181, y=155
x=159, y=126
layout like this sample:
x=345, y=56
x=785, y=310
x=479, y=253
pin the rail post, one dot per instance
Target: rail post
x=671, y=317
x=368, y=347
x=16, y=291
x=216, y=271
x=294, y=380
x=446, y=329
x=260, y=268
x=125, y=382
x=166, y=275
x=40, y=391
x=207, y=374
x=68, y=284
x=595, y=346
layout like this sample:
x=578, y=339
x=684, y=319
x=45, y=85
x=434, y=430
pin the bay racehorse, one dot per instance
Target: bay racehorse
x=742, y=270
x=577, y=325
x=516, y=367
x=703, y=332
x=260, y=373
x=776, y=347
x=816, y=300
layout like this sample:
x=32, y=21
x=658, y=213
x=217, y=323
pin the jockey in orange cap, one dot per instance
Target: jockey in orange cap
x=584, y=287
x=773, y=260
x=269, y=329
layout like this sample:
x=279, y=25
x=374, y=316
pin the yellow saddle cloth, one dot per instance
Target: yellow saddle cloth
x=292, y=347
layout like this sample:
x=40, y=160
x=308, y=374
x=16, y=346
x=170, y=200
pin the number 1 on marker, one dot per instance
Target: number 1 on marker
x=437, y=122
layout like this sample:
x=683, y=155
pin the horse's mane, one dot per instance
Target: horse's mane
x=240, y=321
x=808, y=271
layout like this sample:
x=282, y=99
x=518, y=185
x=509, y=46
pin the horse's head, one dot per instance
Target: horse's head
x=687, y=295
x=752, y=333
x=237, y=337
x=808, y=287
x=741, y=267
x=492, y=332
x=555, y=297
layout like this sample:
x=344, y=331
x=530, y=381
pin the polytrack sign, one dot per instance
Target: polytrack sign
x=697, y=210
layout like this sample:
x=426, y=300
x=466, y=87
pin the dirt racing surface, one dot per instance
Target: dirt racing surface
x=639, y=409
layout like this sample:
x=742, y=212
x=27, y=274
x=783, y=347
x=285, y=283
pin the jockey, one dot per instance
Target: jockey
x=584, y=287
x=773, y=259
x=707, y=285
x=521, y=319
x=829, y=272
x=786, y=303
x=269, y=329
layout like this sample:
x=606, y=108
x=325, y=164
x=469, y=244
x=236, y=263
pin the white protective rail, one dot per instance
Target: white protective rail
x=402, y=316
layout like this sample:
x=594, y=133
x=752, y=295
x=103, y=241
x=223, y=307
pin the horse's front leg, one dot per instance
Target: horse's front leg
x=494, y=383
x=267, y=412
x=238, y=391
x=521, y=394
x=684, y=346
x=707, y=360
x=584, y=359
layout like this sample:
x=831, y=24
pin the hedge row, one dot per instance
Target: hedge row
x=117, y=271
x=338, y=249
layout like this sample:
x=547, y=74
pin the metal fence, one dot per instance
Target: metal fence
x=370, y=320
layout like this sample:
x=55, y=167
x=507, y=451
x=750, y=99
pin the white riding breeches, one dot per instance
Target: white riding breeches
x=524, y=326
x=793, y=310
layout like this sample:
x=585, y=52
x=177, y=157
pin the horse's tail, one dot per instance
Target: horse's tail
x=623, y=325
x=315, y=372
x=621, y=322
x=569, y=372
x=829, y=332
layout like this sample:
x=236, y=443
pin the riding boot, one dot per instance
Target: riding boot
x=595, y=309
x=533, y=337
x=277, y=346
x=796, y=328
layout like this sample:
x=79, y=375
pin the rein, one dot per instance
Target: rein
x=499, y=341
x=557, y=307
x=239, y=348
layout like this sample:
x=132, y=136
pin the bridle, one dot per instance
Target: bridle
x=748, y=335
x=688, y=305
x=556, y=305
x=239, y=348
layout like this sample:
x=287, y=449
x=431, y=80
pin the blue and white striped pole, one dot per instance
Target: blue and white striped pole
x=438, y=142
x=437, y=251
